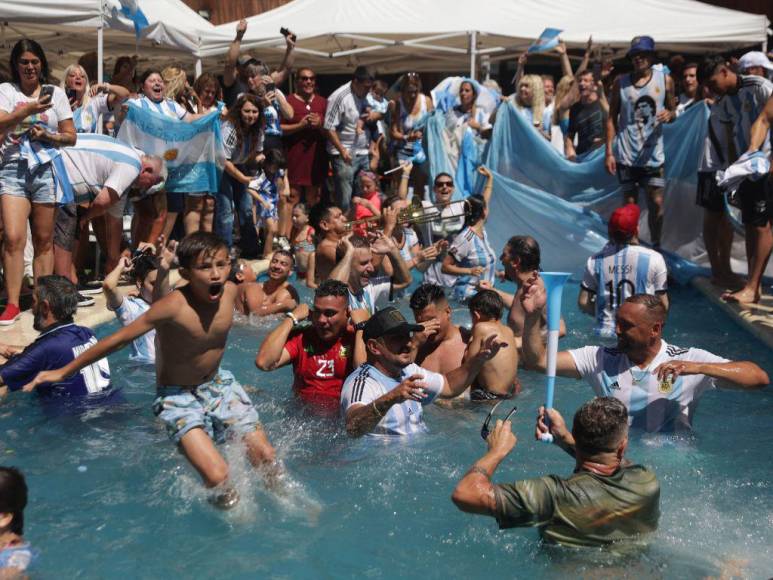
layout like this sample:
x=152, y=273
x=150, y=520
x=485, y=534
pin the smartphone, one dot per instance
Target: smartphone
x=46, y=91
x=71, y=94
x=284, y=32
x=270, y=87
x=597, y=71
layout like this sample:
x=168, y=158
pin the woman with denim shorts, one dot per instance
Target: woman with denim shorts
x=35, y=119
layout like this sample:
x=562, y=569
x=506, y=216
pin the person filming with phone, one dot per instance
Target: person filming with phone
x=35, y=120
x=606, y=499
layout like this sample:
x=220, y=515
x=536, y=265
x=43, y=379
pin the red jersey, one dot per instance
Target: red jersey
x=320, y=369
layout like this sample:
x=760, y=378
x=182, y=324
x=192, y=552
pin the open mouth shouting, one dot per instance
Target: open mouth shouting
x=215, y=291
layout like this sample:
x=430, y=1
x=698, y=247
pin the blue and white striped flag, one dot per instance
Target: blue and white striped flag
x=131, y=9
x=548, y=40
x=193, y=152
x=38, y=153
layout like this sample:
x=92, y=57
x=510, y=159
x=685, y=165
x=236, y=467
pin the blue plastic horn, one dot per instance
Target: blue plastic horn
x=554, y=286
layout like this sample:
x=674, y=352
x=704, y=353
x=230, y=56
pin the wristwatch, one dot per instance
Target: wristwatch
x=292, y=317
x=360, y=326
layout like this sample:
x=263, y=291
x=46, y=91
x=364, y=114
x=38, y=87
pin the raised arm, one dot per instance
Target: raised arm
x=488, y=187
x=165, y=254
x=280, y=76
x=585, y=57
x=113, y=296
x=566, y=66
x=229, y=71
x=273, y=354
x=614, y=109
x=343, y=268
x=384, y=245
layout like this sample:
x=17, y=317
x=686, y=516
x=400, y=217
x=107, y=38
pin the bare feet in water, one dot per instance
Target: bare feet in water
x=226, y=499
x=743, y=296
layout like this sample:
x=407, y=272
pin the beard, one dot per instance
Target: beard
x=38, y=322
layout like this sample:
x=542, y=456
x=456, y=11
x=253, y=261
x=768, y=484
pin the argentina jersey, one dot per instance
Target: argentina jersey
x=367, y=383
x=639, y=141
x=618, y=272
x=166, y=107
x=653, y=405
x=468, y=251
x=739, y=111
x=86, y=117
x=143, y=347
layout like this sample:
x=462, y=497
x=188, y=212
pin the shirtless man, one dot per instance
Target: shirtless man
x=441, y=344
x=498, y=378
x=521, y=259
x=329, y=222
x=273, y=296
x=198, y=401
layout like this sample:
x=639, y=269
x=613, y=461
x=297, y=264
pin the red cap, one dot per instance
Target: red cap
x=624, y=221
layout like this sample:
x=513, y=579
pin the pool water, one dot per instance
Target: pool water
x=110, y=497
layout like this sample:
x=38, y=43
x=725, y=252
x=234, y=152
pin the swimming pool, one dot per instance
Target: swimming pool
x=111, y=498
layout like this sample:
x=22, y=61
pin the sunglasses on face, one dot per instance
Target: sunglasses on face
x=444, y=184
x=306, y=78
x=485, y=431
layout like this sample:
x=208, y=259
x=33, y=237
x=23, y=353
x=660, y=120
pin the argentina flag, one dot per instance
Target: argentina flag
x=193, y=152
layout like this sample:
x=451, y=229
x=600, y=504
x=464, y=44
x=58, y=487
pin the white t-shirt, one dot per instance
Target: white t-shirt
x=97, y=161
x=235, y=152
x=620, y=271
x=11, y=98
x=366, y=384
x=166, y=107
x=374, y=296
x=143, y=347
x=652, y=405
x=344, y=109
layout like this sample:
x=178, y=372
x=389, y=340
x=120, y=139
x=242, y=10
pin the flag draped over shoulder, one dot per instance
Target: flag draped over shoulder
x=193, y=152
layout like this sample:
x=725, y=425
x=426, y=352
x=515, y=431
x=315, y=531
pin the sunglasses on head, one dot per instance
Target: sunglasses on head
x=485, y=431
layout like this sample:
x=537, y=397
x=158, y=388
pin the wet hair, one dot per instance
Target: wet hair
x=143, y=266
x=286, y=253
x=332, y=287
x=320, y=213
x=487, y=303
x=709, y=66
x=599, y=425
x=527, y=250
x=61, y=295
x=427, y=294
x=28, y=45
x=359, y=242
x=13, y=497
x=275, y=157
x=194, y=245
x=652, y=303
x=441, y=174
x=475, y=209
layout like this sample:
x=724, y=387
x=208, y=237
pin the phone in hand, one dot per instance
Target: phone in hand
x=597, y=71
x=71, y=94
x=270, y=87
x=285, y=32
x=46, y=91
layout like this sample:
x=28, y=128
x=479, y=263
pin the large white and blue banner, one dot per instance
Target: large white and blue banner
x=193, y=151
x=565, y=204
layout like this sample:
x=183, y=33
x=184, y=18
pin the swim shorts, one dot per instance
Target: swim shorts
x=479, y=394
x=756, y=200
x=709, y=195
x=219, y=406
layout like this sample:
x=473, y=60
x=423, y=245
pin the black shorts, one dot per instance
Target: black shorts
x=756, y=200
x=66, y=226
x=632, y=178
x=709, y=195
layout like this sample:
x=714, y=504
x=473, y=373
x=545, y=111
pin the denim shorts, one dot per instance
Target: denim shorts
x=219, y=406
x=38, y=186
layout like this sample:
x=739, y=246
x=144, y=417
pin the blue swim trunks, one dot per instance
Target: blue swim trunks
x=220, y=406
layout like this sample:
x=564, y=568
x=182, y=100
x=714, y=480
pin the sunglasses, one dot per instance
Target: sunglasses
x=444, y=184
x=485, y=431
x=306, y=78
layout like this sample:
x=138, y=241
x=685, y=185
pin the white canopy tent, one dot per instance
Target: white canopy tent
x=450, y=35
x=68, y=29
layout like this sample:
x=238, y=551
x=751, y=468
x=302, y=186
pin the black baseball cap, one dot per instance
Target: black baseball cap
x=388, y=320
x=363, y=73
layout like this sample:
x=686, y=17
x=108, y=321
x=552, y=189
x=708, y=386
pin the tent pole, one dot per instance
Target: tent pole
x=198, y=67
x=100, y=46
x=473, y=48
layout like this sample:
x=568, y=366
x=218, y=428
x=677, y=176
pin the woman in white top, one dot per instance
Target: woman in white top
x=467, y=114
x=31, y=115
x=152, y=213
x=88, y=103
x=407, y=112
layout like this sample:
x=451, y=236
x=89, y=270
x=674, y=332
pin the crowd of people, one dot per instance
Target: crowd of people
x=334, y=191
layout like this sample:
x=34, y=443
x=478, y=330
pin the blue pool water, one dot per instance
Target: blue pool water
x=112, y=498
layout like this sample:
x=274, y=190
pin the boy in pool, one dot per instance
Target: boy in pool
x=198, y=401
x=498, y=379
x=15, y=554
